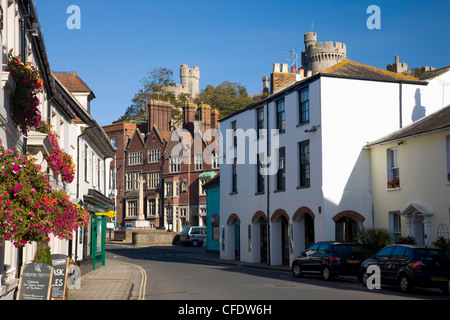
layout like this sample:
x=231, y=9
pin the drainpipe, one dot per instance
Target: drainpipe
x=78, y=190
x=268, y=188
x=400, y=105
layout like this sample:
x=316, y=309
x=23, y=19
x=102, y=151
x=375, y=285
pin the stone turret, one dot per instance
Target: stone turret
x=317, y=56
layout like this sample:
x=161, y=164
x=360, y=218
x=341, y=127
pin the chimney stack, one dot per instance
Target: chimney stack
x=214, y=119
x=204, y=111
x=189, y=116
x=159, y=115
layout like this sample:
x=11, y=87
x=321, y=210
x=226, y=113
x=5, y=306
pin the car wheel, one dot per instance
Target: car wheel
x=326, y=274
x=195, y=243
x=297, y=270
x=405, y=283
x=363, y=277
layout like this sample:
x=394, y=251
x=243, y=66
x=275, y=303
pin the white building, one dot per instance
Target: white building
x=418, y=157
x=67, y=110
x=323, y=190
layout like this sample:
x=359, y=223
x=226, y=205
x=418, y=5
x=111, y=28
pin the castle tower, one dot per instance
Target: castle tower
x=190, y=80
x=317, y=56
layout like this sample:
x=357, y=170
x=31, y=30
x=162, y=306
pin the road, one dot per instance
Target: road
x=175, y=273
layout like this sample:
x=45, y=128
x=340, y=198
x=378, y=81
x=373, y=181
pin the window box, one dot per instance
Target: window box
x=394, y=183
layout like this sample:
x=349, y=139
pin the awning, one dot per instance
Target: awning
x=207, y=175
x=414, y=209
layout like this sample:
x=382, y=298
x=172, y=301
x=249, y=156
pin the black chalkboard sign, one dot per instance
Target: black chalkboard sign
x=60, y=264
x=35, y=282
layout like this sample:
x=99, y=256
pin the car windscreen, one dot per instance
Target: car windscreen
x=185, y=230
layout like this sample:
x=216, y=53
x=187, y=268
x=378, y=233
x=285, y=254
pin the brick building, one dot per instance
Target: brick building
x=171, y=162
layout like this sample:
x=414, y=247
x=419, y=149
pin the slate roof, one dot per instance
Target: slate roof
x=345, y=69
x=439, y=120
x=435, y=73
x=352, y=69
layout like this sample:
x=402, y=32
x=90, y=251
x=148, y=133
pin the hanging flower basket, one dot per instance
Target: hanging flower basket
x=59, y=161
x=29, y=209
x=24, y=100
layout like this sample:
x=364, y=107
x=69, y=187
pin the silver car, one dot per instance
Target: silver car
x=193, y=235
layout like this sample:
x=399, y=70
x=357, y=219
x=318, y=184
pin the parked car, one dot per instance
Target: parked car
x=329, y=259
x=194, y=236
x=410, y=266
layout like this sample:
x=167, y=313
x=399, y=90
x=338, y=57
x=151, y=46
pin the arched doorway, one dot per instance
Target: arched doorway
x=259, y=222
x=303, y=229
x=234, y=239
x=280, y=237
x=347, y=225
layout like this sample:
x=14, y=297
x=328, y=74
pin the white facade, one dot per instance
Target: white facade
x=419, y=206
x=59, y=108
x=344, y=114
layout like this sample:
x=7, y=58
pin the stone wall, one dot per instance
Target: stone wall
x=148, y=237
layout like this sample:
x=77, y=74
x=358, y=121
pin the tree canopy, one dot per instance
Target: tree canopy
x=227, y=97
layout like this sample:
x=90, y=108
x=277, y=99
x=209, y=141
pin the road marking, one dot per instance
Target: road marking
x=143, y=285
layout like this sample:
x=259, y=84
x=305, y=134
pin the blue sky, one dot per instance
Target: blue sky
x=238, y=41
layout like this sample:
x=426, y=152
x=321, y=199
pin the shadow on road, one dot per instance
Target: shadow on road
x=199, y=256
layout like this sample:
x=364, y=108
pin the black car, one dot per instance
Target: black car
x=410, y=266
x=329, y=259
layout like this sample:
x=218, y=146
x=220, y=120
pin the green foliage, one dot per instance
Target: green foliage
x=442, y=243
x=373, y=240
x=43, y=255
x=406, y=240
x=153, y=89
x=227, y=97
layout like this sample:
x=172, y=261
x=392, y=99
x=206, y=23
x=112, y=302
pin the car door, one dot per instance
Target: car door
x=305, y=260
x=395, y=263
x=382, y=261
x=321, y=257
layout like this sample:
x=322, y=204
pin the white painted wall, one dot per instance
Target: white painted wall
x=350, y=113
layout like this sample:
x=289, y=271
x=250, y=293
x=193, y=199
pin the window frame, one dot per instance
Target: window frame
x=280, y=115
x=303, y=107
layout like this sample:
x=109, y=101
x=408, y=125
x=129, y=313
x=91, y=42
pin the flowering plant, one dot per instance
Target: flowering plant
x=59, y=161
x=24, y=101
x=29, y=209
x=394, y=183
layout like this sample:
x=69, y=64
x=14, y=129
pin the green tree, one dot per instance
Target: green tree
x=227, y=97
x=154, y=87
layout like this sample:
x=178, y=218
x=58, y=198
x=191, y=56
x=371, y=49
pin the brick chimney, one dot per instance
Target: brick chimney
x=204, y=112
x=189, y=109
x=283, y=78
x=214, y=119
x=159, y=115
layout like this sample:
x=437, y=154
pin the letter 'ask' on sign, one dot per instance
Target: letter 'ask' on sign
x=35, y=282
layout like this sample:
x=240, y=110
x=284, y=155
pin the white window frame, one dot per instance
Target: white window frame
x=135, y=158
x=153, y=155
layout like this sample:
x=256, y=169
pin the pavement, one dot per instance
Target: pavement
x=119, y=281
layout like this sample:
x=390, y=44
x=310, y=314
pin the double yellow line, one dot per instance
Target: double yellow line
x=143, y=280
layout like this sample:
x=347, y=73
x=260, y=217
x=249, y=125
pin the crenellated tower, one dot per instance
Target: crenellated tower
x=319, y=56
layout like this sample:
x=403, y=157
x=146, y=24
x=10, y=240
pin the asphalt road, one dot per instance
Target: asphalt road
x=172, y=273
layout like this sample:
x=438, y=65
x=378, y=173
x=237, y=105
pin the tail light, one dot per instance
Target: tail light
x=416, y=265
x=335, y=259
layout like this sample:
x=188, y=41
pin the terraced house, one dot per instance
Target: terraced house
x=321, y=188
x=63, y=104
x=169, y=166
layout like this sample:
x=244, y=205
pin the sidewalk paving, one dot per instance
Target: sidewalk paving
x=114, y=281
x=110, y=282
